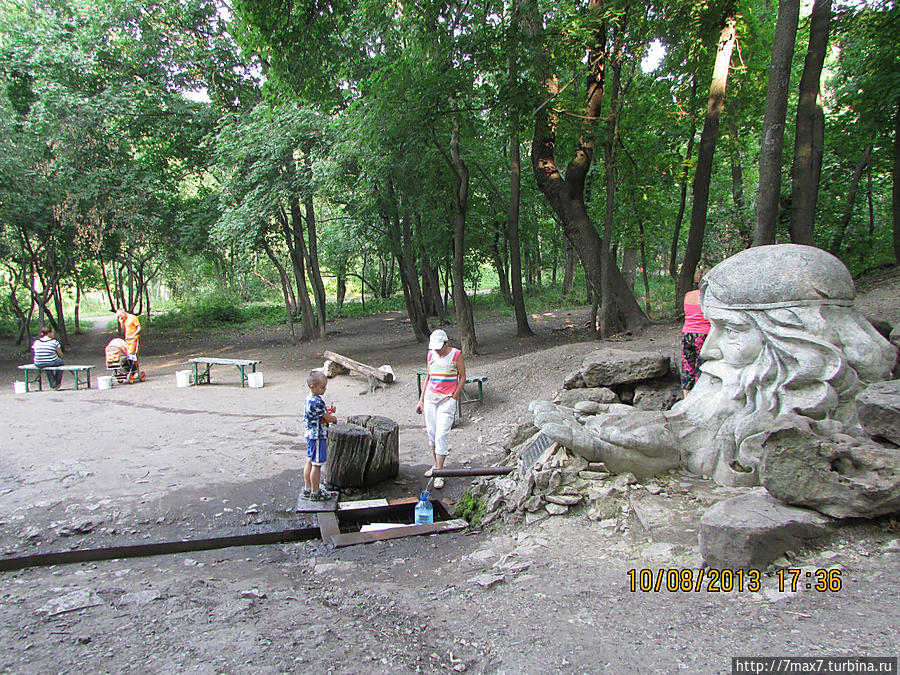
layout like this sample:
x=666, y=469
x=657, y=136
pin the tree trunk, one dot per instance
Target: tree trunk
x=285, y=285
x=568, y=282
x=431, y=285
x=312, y=268
x=737, y=187
x=682, y=201
x=629, y=263
x=870, y=199
x=512, y=224
x=838, y=240
x=400, y=236
x=643, y=251
x=293, y=235
x=498, y=249
x=515, y=186
x=768, y=197
x=708, y=138
x=809, y=138
x=609, y=164
x=895, y=188
x=77, y=312
x=464, y=319
x=566, y=195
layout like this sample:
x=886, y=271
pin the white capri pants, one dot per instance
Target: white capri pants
x=438, y=420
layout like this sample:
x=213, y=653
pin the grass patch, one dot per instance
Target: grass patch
x=470, y=508
x=355, y=310
x=203, y=311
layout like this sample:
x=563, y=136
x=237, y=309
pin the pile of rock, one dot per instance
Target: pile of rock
x=644, y=379
x=558, y=483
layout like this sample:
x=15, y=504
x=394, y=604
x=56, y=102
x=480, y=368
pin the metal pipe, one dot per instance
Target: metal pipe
x=474, y=471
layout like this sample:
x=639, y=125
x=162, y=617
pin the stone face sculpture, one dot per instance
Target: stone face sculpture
x=786, y=346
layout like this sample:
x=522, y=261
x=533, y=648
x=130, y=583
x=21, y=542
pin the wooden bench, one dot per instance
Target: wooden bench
x=464, y=396
x=82, y=375
x=202, y=376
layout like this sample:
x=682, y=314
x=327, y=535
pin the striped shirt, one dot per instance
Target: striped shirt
x=45, y=351
x=443, y=374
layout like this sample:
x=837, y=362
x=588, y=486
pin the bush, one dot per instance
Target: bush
x=209, y=309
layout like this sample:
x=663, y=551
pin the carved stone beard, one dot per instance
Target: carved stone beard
x=724, y=420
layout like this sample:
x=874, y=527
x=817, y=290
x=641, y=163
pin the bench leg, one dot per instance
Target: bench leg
x=241, y=368
x=36, y=380
x=200, y=378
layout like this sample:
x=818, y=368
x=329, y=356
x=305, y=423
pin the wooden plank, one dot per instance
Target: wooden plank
x=328, y=526
x=352, y=538
x=362, y=504
x=360, y=367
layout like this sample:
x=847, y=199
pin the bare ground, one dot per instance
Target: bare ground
x=152, y=461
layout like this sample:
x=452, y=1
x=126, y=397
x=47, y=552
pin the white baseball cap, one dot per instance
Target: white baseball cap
x=437, y=339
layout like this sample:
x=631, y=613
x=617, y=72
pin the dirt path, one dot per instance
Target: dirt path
x=153, y=460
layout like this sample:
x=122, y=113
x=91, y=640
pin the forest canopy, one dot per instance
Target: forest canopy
x=302, y=150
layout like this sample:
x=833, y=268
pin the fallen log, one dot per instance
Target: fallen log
x=381, y=375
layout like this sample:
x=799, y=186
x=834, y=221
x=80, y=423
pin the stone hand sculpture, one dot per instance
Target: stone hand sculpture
x=786, y=346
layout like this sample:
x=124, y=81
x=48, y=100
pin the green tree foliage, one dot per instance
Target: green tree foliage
x=242, y=146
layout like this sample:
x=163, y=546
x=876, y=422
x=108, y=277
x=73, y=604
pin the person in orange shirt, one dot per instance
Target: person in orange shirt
x=131, y=327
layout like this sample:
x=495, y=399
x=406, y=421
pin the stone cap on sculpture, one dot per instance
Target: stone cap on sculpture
x=779, y=275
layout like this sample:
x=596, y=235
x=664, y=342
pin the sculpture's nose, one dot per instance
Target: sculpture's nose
x=711, y=349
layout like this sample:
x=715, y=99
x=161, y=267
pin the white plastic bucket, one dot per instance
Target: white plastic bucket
x=104, y=382
x=182, y=378
x=19, y=387
x=254, y=380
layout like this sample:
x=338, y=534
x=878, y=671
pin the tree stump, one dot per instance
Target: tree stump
x=384, y=458
x=348, y=455
x=363, y=451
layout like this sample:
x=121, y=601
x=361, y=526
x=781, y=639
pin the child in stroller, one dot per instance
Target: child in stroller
x=124, y=369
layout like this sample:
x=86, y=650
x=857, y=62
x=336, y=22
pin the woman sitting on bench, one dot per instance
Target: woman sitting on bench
x=48, y=353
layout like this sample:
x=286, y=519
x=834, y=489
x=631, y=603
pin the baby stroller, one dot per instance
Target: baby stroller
x=124, y=369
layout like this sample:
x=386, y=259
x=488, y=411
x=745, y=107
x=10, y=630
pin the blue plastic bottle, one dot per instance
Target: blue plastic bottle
x=424, y=510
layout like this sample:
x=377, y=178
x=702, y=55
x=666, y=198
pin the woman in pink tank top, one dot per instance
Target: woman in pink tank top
x=438, y=400
x=693, y=333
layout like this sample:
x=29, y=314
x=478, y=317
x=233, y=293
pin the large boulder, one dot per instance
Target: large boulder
x=841, y=477
x=752, y=530
x=658, y=394
x=878, y=407
x=569, y=397
x=610, y=367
